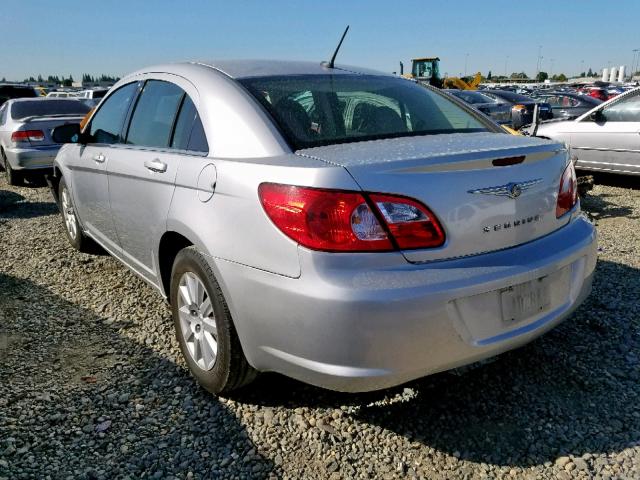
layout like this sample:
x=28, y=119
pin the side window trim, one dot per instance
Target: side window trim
x=132, y=108
x=175, y=120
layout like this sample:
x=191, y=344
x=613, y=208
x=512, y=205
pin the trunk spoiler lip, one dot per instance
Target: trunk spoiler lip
x=459, y=159
x=44, y=118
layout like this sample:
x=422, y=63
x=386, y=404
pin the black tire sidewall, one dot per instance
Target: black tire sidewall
x=216, y=379
x=13, y=177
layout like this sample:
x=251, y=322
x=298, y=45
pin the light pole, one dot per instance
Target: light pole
x=466, y=58
x=551, y=60
x=539, y=59
x=582, y=68
x=506, y=62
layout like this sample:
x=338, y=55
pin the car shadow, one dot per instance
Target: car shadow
x=10, y=201
x=100, y=398
x=616, y=180
x=553, y=397
x=598, y=207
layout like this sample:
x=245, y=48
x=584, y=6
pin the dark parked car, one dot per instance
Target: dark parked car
x=567, y=105
x=7, y=92
x=499, y=112
x=521, y=107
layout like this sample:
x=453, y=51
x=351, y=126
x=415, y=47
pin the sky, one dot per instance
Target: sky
x=71, y=37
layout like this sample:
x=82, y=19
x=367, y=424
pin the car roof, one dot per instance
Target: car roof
x=239, y=69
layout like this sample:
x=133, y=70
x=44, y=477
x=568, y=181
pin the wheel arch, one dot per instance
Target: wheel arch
x=170, y=244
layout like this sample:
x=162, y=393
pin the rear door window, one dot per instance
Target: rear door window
x=626, y=110
x=154, y=115
x=106, y=123
x=189, y=133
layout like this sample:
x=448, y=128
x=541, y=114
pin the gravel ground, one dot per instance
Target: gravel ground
x=92, y=384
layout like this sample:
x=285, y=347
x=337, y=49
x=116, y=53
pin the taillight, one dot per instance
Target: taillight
x=519, y=108
x=342, y=221
x=411, y=224
x=27, y=136
x=568, y=193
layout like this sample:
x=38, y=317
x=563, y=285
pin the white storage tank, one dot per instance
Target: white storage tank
x=605, y=74
x=612, y=75
x=621, y=74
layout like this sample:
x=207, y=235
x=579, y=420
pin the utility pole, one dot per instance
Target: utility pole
x=539, y=60
x=582, y=68
x=551, y=60
x=466, y=58
x=506, y=62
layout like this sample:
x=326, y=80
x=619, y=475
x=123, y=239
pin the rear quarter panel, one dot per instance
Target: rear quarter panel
x=228, y=222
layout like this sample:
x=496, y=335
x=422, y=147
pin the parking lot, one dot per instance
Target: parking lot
x=94, y=386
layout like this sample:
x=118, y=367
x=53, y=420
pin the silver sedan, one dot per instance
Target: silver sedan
x=26, y=145
x=607, y=138
x=347, y=228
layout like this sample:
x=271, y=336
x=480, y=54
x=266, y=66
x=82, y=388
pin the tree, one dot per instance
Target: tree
x=542, y=76
x=560, y=78
x=590, y=73
x=489, y=75
x=67, y=82
x=582, y=75
x=519, y=75
x=40, y=79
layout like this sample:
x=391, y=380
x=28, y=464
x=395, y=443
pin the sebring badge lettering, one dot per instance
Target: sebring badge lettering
x=513, y=224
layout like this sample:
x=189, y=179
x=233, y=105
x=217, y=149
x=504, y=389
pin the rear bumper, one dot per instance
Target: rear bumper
x=370, y=321
x=34, y=158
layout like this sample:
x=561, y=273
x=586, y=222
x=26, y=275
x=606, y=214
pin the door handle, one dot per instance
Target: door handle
x=100, y=158
x=156, y=165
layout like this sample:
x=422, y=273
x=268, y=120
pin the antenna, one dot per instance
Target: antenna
x=333, y=58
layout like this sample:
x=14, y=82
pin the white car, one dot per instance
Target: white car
x=606, y=138
x=94, y=93
x=62, y=94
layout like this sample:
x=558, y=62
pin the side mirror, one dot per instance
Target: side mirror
x=69, y=133
x=598, y=116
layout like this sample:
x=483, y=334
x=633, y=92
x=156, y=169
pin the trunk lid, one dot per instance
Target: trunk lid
x=460, y=178
x=46, y=125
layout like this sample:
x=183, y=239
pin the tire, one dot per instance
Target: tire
x=197, y=322
x=72, y=227
x=13, y=178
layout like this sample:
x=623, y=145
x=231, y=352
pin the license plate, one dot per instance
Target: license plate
x=525, y=300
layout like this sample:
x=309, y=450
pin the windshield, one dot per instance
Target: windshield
x=43, y=108
x=314, y=110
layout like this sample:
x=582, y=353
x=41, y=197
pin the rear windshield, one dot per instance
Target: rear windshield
x=99, y=93
x=42, y=108
x=314, y=110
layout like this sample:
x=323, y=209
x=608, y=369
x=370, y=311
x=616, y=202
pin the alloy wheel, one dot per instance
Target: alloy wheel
x=197, y=321
x=69, y=214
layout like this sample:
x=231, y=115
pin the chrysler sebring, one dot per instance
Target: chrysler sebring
x=344, y=227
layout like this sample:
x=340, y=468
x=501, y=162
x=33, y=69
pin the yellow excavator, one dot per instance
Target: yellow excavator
x=427, y=70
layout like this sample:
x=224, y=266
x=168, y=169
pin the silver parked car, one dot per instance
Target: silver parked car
x=347, y=228
x=26, y=124
x=607, y=138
